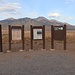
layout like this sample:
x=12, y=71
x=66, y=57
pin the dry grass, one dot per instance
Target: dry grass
x=70, y=37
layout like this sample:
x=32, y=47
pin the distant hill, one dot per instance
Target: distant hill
x=36, y=21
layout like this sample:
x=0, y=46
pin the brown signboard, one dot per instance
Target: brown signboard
x=16, y=33
x=37, y=33
x=58, y=33
x=0, y=38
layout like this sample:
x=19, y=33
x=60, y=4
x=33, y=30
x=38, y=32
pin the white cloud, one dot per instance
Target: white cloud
x=2, y=2
x=9, y=9
x=69, y=1
x=66, y=18
x=6, y=15
x=59, y=16
x=54, y=15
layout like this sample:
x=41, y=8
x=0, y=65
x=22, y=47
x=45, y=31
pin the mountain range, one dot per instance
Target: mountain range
x=35, y=22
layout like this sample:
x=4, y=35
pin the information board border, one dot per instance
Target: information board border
x=52, y=36
x=43, y=34
x=10, y=34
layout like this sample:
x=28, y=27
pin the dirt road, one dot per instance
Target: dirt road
x=38, y=63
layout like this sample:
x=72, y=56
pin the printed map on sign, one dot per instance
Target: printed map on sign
x=16, y=34
x=37, y=33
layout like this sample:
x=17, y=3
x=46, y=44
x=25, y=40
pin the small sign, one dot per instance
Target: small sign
x=37, y=33
x=58, y=28
x=16, y=34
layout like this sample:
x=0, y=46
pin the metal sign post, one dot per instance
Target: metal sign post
x=37, y=33
x=16, y=33
x=1, y=39
x=58, y=33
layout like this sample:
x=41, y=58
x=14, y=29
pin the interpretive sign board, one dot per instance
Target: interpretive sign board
x=58, y=33
x=1, y=38
x=37, y=33
x=16, y=33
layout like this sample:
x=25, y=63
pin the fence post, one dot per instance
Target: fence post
x=43, y=36
x=10, y=37
x=1, y=39
x=31, y=34
x=64, y=37
x=22, y=37
x=52, y=37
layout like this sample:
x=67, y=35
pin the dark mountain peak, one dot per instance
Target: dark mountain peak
x=53, y=20
x=30, y=21
x=24, y=18
x=10, y=18
x=41, y=18
x=67, y=24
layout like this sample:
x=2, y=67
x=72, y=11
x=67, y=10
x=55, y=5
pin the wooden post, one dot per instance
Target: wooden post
x=1, y=39
x=43, y=36
x=64, y=37
x=52, y=35
x=10, y=35
x=31, y=34
x=22, y=36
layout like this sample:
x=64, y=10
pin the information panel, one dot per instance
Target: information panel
x=37, y=33
x=16, y=34
x=58, y=33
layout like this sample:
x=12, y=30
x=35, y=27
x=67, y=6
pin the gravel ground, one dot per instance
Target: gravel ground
x=37, y=63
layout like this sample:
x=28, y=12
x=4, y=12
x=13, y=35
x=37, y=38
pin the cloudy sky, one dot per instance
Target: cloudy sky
x=61, y=10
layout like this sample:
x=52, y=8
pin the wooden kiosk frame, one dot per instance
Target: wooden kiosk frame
x=22, y=34
x=58, y=33
x=1, y=39
x=42, y=28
